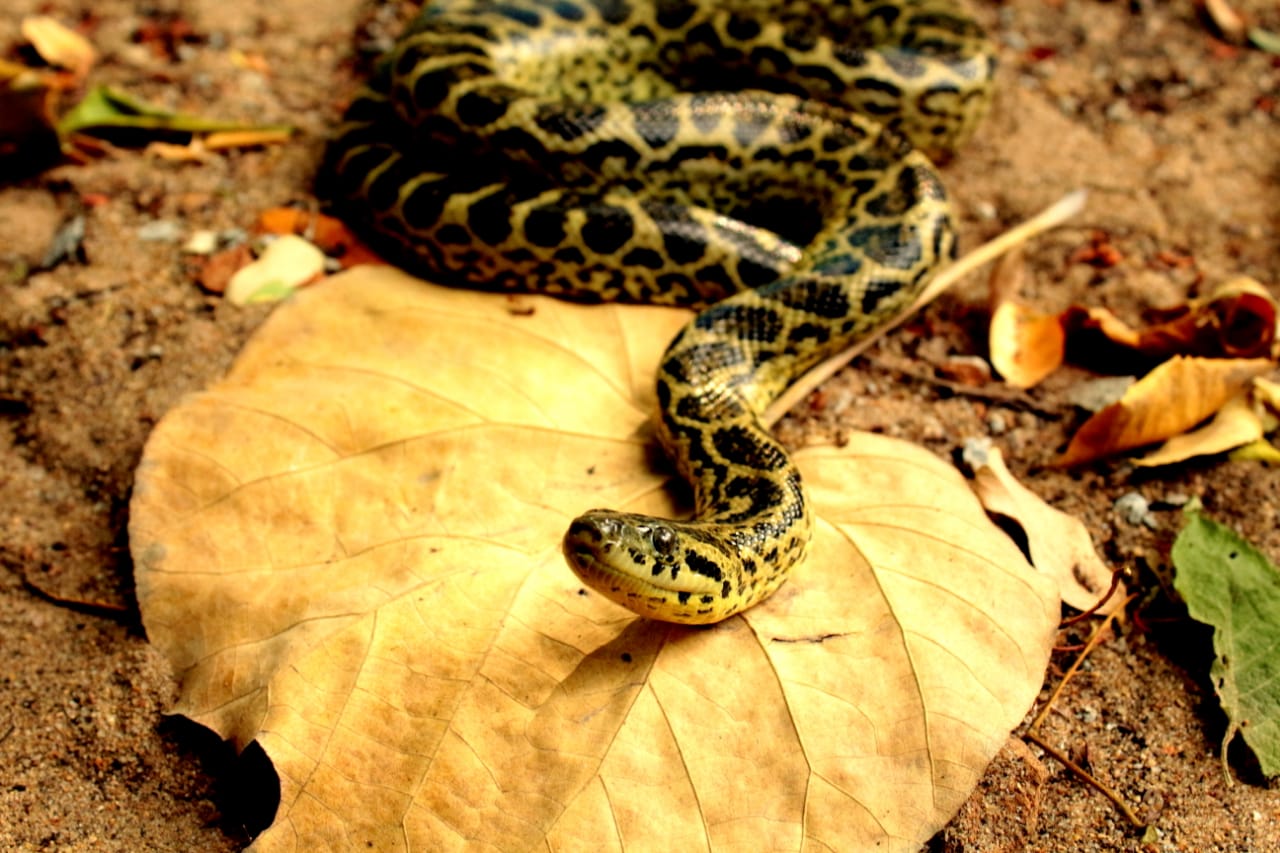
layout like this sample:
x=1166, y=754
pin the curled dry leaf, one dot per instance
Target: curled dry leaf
x=1025, y=345
x=1236, y=320
x=1060, y=545
x=330, y=234
x=349, y=550
x=1237, y=423
x=286, y=264
x=1169, y=400
x=58, y=45
x=1267, y=393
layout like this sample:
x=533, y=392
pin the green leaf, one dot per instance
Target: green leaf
x=1230, y=585
x=1264, y=40
x=105, y=108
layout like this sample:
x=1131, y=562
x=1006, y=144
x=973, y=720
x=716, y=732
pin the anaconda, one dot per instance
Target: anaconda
x=760, y=160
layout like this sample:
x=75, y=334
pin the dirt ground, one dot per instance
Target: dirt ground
x=1172, y=131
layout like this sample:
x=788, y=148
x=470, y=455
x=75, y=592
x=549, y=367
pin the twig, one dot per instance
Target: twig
x=101, y=609
x=1011, y=397
x=1094, y=640
x=1050, y=217
x=1089, y=778
x=1116, y=576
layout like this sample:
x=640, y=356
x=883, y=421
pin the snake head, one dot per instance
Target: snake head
x=647, y=565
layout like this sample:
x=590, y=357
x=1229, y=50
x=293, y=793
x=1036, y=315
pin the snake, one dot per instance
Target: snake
x=767, y=163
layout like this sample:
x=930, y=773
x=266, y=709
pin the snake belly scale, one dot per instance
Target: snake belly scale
x=759, y=160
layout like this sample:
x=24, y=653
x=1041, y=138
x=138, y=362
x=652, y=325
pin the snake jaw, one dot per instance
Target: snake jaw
x=635, y=561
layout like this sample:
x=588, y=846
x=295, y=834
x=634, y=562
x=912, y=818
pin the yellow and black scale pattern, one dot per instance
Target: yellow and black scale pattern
x=756, y=159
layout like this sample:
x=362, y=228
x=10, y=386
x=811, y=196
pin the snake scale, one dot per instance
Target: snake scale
x=763, y=161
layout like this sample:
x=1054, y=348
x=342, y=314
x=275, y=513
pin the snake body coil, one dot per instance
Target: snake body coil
x=752, y=158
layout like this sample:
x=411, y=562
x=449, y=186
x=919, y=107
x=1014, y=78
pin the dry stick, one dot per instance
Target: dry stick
x=1094, y=640
x=1066, y=207
x=1116, y=577
x=103, y=609
x=1084, y=774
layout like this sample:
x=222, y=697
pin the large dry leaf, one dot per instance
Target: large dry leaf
x=349, y=551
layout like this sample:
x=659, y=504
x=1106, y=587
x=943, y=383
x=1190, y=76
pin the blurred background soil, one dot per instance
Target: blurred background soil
x=1171, y=130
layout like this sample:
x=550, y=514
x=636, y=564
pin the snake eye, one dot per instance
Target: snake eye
x=664, y=539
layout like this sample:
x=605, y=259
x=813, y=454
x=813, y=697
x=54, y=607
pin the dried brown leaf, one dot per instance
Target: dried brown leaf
x=1026, y=345
x=1236, y=320
x=1169, y=400
x=59, y=45
x=349, y=552
x=1237, y=423
x=1060, y=545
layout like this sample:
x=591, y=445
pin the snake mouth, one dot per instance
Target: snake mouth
x=638, y=595
x=585, y=549
x=633, y=560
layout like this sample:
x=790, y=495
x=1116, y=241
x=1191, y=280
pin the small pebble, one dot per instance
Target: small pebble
x=67, y=243
x=1015, y=40
x=1096, y=394
x=975, y=452
x=1135, y=509
x=1119, y=111
x=996, y=424
x=203, y=242
x=160, y=231
x=230, y=237
x=985, y=210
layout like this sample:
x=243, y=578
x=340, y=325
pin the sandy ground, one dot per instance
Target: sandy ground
x=1172, y=132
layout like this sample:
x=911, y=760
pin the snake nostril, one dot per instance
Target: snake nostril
x=608, y=527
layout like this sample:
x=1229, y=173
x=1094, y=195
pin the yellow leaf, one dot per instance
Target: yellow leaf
x=1169, y=400
x=1267, y=393
x=287, y=263
x=1060, y=545
x=1236, y=423
x=1026, y=345
x=58, y=45
x=250, y=138
x=1257, y=451
x=349, y=550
